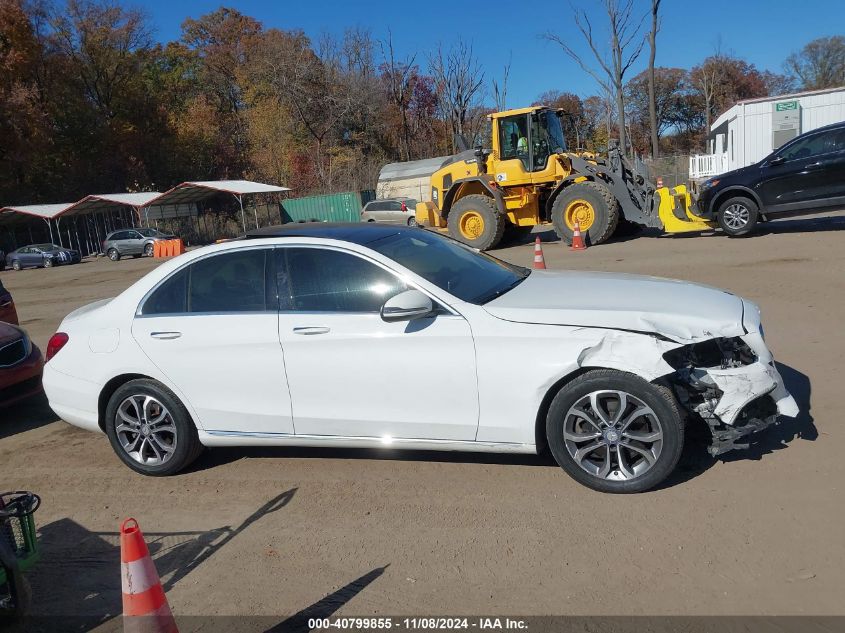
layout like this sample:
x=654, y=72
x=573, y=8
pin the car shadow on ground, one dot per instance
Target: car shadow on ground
x=220, y=456
x=24, y=416
x=76, y=584
x=695, y=459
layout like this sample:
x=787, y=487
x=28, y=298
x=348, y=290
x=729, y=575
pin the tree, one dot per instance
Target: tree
x=820, y=64
x=669, y=85
x=625, y=48
x=721, y=80
x=458, y=79
x=500, y=90
x=652, y=98
x=398, y=76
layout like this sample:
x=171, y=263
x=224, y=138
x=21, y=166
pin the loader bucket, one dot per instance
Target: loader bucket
x=675, y=211
x=427, y=214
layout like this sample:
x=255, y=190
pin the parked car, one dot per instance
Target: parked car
x=20, y=365
x=806, y=175
x=393, y=210
x=135, y=242
x=308, y=335
x=8, y=313
x=41, y=256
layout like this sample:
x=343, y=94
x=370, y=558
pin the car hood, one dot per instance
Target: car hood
x=678, y=310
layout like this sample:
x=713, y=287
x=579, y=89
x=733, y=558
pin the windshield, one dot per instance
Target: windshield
x=550, y=122
x=458, y=269
x=149, y=232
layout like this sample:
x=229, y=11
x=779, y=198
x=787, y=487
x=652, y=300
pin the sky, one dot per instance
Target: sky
x=762, y=32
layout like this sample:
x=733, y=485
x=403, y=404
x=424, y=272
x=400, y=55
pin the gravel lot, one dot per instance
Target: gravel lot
x=280, y=531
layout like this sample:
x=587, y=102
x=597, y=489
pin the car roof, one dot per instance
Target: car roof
x=358, y=233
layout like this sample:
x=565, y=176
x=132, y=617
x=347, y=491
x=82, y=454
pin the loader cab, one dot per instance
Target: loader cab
x=529, y=136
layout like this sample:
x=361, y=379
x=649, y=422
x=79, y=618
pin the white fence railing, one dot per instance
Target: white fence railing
x=706, y=165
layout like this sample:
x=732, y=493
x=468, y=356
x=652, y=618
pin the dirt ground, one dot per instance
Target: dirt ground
x=277, y=532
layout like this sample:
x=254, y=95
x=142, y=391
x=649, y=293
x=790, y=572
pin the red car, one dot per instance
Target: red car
x=21, y=365
x=7, y=306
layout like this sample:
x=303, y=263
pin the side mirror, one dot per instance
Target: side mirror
x=407, y=306
x=777, y=160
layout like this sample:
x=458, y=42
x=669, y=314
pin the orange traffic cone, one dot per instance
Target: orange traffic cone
x=578, y=241
x=539, y=260
x=145, y=608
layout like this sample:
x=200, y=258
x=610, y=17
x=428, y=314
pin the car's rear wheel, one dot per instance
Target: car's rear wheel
x=614, y=432
x=150, y=429
x=412, y=221
x=48, y=262
x=738, y=216
x=113, y=254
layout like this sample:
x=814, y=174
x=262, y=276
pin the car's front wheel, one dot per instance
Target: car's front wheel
x=148, y=250
x=737, y=216
x=16, y=265
x=150, y=429
x=614, y=432
x=48, y=262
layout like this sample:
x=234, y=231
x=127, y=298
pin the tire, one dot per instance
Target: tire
x=48, y=262
x=113, y=254
x=597, y=204
x=475, y=221
x=412, y=221
x=18, y=609
x=148, y=250
x=601, y=468
x=16, y=265
x=738, y=216
x=182, y=440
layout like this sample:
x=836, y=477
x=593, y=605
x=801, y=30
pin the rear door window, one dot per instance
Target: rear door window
x=230, y=282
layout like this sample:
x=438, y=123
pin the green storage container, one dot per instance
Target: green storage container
x=333, y=207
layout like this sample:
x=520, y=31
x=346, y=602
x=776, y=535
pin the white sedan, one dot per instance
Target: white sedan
x=380, y=336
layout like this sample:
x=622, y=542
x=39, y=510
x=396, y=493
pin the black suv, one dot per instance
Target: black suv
x=807, y=175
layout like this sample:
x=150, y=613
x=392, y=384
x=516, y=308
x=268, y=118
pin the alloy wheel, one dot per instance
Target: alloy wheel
x=613, y=435
x=736, y=216
x=146, y=430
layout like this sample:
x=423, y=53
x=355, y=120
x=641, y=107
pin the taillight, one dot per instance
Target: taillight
x=55, y=344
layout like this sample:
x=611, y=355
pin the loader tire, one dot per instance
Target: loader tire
x=475, y=221
x=591, y=201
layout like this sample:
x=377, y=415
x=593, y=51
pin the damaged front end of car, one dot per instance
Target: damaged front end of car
x=732, y=384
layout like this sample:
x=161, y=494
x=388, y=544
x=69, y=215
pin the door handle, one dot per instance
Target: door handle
x=811, y=165
x=308, y=331
x=165, y=336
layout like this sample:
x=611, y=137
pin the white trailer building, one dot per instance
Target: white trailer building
x=753, y=129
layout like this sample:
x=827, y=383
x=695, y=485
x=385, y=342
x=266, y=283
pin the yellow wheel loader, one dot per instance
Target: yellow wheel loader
x=528, y=177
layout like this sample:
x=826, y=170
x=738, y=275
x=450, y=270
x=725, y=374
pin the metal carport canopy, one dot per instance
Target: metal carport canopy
x=201, y=190
x=98, y=203
x=13, y=214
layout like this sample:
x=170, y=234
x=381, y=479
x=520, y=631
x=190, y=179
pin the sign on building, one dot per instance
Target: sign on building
x=786, y=122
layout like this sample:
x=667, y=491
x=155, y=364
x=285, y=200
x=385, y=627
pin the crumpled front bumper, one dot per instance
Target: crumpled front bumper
x=742, y=400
